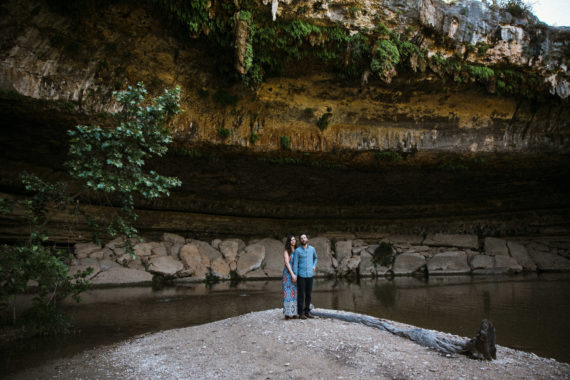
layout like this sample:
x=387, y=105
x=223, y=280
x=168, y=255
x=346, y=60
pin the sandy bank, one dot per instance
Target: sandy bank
x=263, y=345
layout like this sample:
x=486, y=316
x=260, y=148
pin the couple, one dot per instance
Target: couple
x=300, y=265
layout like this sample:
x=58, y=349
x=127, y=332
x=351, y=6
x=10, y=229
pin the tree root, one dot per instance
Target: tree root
x=482, y=346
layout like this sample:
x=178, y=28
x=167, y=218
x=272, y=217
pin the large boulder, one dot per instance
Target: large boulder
x=367, y=267
x=325, y=258
x=549, y=262
x=343, y=249
x=174, y=249
x=231, y=248
x=520, y=254
x=349, y=265
x=256, y=274
x=206, y=249
x=220, y=268
x=450, y=262
x=273, y=263
x=484, y=262
x=146, y=249
x=118, y=245
x=450, y=240
x=507, y=264
x=101, y=254
x=83, y=250
x=164, y=265
x=250, y=259
x=196, y=263
x=173, y=238
x=404, y=239
x=107, y=264
x=496, y=247
x=96, y=269
x=122, y=276
x=407, y=263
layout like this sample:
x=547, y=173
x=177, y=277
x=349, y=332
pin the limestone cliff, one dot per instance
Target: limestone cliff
x=468, y=78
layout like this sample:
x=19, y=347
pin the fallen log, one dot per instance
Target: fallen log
x=482, y=346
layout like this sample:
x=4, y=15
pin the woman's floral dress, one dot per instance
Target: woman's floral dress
x=289, y=292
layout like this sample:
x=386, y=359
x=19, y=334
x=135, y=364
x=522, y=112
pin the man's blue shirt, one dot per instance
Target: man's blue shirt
x=304, y=260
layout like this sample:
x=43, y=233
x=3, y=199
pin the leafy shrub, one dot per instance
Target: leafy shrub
x=383, y=255
x=518, y=8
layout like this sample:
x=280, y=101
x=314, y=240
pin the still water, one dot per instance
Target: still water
x=529, y=312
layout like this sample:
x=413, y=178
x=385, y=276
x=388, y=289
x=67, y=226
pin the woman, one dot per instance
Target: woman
x=289, y=280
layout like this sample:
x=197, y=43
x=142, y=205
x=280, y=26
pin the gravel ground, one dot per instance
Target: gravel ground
x=263, y=345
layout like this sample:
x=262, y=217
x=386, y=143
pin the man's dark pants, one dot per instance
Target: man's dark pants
x=304, y=290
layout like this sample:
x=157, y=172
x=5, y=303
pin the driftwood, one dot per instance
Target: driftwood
x=482, y=346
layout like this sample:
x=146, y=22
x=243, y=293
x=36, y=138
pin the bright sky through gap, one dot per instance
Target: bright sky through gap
x=552, y=12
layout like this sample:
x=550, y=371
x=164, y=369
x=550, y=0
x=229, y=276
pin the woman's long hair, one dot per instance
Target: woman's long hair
x=288, y=246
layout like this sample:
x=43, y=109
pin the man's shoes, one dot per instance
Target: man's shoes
x=308, y=315
x=302, y=316
x=287, y=317
x=294, y=317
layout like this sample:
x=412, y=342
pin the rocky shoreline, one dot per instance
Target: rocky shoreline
x=183, y=259
x=266, y=346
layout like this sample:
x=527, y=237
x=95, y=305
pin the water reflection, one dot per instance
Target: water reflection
x=529, y=312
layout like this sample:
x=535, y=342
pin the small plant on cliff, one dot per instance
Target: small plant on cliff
x=224, y=133
x=253, y=137
x=481, y=73
x=105, y=164
x=285, y=142
x=386, y=56
x=324, y=121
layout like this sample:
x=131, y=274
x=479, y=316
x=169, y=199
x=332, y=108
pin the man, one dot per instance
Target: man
x=304, y=267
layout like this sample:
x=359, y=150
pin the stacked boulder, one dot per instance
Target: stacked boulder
x=435, y=254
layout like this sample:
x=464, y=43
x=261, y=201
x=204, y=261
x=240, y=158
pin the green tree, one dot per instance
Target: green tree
x=102, y=161
x=112, y=161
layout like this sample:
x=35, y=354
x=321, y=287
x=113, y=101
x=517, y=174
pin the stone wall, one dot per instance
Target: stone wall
x=193, y=260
